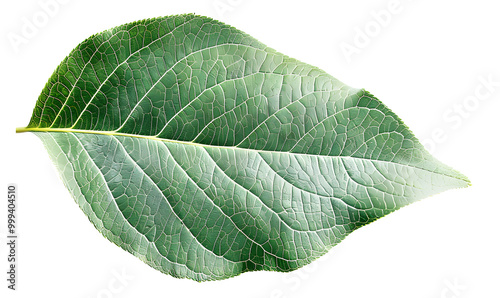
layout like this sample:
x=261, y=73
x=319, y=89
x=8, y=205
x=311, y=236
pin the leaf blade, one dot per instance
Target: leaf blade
x=230, y=157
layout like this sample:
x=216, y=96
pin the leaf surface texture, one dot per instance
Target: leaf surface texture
x=206, y=154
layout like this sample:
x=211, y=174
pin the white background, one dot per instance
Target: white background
x=425, y=60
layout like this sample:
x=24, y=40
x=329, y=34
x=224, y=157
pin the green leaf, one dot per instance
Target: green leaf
x=206, y=154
